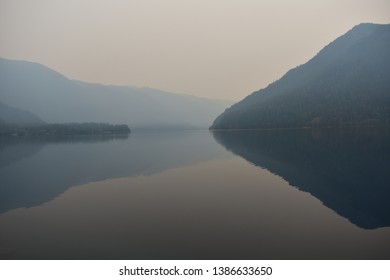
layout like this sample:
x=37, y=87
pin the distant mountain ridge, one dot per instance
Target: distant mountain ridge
x=346, y=83
x=57, y=99
x=10, y=115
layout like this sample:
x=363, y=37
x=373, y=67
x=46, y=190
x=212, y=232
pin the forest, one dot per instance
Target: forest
x=7, y=129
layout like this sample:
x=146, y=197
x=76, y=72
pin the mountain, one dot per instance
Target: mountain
x=10, y=115
x=346, y=83
x=57, y=99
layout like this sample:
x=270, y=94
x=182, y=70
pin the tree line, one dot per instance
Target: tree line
x=63, y=129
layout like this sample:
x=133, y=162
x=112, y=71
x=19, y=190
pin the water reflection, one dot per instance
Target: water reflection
x=16, y=148
x=347, y=170
x=221, y=209
x=36, y=170
x=173, y=196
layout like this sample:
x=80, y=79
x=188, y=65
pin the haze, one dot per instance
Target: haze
x=218, y=49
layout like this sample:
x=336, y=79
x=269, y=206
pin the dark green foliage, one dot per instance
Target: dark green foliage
x=63, y=129
x=346, y=83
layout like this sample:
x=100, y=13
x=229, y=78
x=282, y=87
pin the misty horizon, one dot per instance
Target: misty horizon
x=219, y=49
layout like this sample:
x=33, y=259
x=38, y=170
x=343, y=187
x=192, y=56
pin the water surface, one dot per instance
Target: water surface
x=197, y=195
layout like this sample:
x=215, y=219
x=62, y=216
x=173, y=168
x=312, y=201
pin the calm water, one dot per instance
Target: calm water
x=197, y=195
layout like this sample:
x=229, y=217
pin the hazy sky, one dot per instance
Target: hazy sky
x=212, y=48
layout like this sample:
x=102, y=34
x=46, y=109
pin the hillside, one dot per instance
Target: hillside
x=10, y=115
x=57, y=99
x=346, y=83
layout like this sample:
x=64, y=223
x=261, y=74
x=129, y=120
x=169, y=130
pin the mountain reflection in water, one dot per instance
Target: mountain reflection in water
x=348, y=170
x=183, y=196
x=36, y=170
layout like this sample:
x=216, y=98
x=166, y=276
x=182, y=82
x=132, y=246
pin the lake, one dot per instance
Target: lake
x=277, y=194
